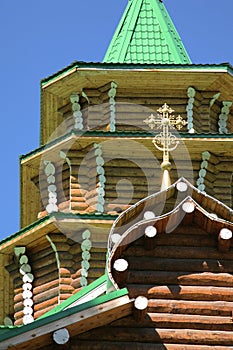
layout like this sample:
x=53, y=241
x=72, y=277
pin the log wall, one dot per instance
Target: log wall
x=188, y=283
x=133, y=108
x=57, y=273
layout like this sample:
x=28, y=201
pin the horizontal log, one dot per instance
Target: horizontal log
x=18, y=297
x=77, y=273
x=182, y=292
x=190, y=321
x=180, y=278
x=73, y=198
x=41, y=312
x=185, y=240
x=208, y=308
x=132, y=172
x=19, y=306
x=75, y=249
x=18, y=316
x=52, y=284
x=168, y=320
x=42, y=262
x=66, y=289
x=64, y=272
x=181, y=336
x=44, y=305
x=79, y=206
x=40, y=272
x=225, y=166
x=189, y=265
x=76, y=283
x=121, y=345
x=46, y=295
x=40, y=251
x=179, y=252
x=45, y=279
x=98, y=255
x=98, y=263
x=95, y=273
x=222, y=182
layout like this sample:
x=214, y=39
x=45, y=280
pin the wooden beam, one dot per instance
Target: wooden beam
x=224, y=240
x=140, y=308
x=79, y=322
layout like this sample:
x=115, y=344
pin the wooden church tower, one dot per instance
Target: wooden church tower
x=126, y=206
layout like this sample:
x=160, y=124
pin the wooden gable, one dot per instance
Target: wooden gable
x=186, y=277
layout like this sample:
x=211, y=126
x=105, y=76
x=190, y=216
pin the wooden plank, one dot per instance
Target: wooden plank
x=86, y=319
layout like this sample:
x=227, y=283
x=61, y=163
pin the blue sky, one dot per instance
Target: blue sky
x=38, y=38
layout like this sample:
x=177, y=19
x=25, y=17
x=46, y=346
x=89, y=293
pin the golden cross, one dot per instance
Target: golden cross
x=165, y=141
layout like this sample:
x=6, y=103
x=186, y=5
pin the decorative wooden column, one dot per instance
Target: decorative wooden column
x=27, y=279
x=77, y=114
x=112, y=103
x=52, y=188
x=191, y=92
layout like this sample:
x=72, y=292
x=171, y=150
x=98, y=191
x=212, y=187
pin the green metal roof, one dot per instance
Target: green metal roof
x=146, y=34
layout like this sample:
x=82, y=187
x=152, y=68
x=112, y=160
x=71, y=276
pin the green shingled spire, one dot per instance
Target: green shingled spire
x=146, y=34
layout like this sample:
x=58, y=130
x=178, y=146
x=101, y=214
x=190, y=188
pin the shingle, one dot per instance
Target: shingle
x=147, y=29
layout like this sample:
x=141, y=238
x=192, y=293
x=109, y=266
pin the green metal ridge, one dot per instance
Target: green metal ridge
x=146, y=34
x=75, y=297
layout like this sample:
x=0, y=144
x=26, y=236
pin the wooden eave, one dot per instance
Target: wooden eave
x=212, y=78
x=195, y=143
x=78, y=319
x=36, y=232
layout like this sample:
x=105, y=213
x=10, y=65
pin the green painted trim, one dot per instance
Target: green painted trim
x=5, y=329
x=62, y=314
x=25, y=229
x=131, y=66
x=58, y=215
x=76, y=296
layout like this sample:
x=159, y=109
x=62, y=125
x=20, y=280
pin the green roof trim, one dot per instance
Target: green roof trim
x=127, y=134
x=146, y=34
x=227, y=67
x=11, y=333
x=6, y=329
x=84, y=291
x=58, y=215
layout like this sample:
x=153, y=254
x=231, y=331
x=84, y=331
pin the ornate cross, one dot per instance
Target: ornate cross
x=165, y=141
